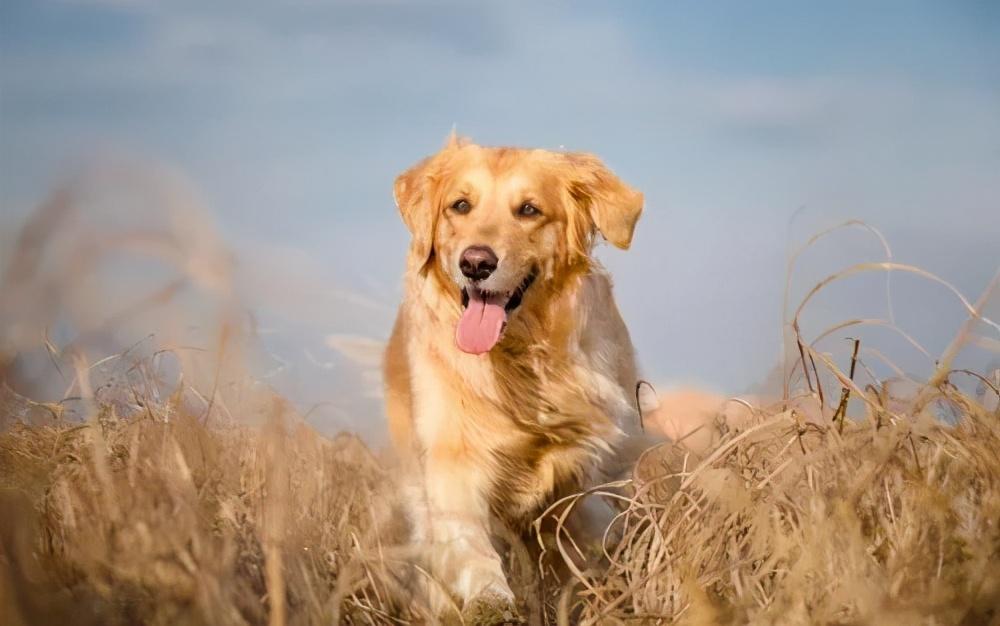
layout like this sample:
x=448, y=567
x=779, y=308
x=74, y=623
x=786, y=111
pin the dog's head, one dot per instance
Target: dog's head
x=497, y=223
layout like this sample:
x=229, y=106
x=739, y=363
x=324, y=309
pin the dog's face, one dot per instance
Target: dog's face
x=499, y=223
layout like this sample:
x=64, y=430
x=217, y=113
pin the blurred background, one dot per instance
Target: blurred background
x=251, y=146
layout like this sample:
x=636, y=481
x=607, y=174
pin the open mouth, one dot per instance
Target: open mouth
x=485, y=315
x=514, y=300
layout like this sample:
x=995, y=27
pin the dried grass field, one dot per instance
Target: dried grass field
x=155, y=494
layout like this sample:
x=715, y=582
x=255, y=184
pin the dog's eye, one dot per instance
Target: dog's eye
x=461, y=206
x=528, y=210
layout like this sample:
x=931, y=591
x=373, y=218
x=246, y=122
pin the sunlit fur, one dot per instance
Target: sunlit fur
x=546, y=410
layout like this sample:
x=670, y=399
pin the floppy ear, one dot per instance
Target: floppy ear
x=613, y=206
x=411, y=192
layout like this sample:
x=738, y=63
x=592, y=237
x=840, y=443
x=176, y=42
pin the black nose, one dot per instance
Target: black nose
x=478, y=262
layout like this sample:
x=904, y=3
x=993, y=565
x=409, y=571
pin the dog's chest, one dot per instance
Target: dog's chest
x=559, y=429
x=531, y=473
x=538, y=423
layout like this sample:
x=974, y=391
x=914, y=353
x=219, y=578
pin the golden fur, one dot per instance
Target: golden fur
x=501, y=434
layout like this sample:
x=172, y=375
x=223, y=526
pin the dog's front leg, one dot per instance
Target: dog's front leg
x=462, y=556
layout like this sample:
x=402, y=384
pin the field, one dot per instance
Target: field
x=164, y=499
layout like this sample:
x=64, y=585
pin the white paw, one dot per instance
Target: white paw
x=475, y=581
x=489, y=609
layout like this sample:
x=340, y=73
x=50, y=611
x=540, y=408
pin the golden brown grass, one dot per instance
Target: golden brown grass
x=160, y=519
x=162, y=505
x=795, y=523
x=156, y=517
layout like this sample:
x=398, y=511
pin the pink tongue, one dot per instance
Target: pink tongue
x=479, y=329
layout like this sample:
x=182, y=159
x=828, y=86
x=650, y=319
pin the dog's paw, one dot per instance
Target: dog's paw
x=491, y=609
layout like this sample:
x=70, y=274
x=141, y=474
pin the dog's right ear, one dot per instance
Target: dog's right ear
x=411, y=192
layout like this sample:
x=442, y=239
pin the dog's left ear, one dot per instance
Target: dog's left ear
x=613, y=206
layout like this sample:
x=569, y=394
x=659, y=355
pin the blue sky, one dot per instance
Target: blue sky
x=293, y=119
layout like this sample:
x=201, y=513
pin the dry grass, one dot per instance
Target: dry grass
x=796, y=523
x=156, y=517
x=161, y=505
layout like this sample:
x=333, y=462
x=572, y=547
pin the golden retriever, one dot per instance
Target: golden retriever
x=510, y=375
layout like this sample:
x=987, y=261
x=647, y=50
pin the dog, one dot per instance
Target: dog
x=510, y=375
